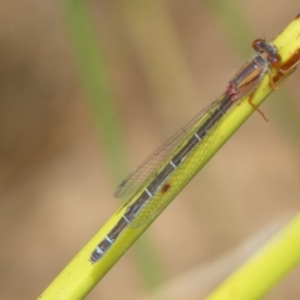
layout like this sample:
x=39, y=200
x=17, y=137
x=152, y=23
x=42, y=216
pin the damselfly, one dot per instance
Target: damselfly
x=155, y=182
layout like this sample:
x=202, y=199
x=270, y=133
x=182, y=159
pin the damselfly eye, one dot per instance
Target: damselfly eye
x=275, y=61
x=257, y=45
x=268, y=50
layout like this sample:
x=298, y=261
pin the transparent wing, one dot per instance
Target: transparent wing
x=160, y=200
x=143, y=171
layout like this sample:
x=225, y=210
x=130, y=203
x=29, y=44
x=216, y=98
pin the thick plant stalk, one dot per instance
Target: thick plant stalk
x=80, y=276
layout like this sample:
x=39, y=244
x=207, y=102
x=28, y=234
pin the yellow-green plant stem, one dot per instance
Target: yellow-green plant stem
x=267, y=266
x=80, y=276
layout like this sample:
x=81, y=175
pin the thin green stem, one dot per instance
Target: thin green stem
x=258, y=275
x=90, y=58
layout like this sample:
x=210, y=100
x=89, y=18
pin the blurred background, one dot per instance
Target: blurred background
x=65, y=147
